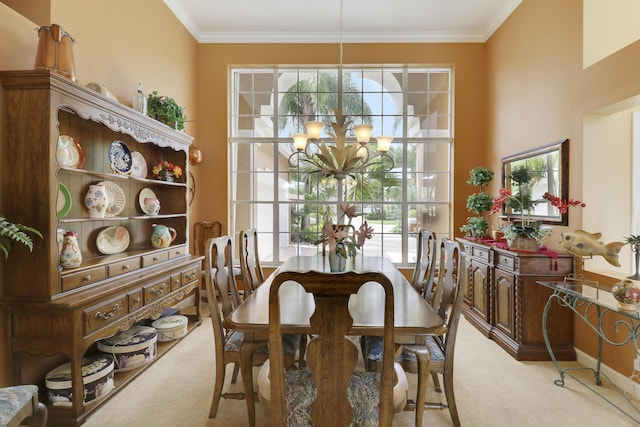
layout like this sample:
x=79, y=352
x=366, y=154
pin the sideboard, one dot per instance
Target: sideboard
x=55, y=315
x=503, y=301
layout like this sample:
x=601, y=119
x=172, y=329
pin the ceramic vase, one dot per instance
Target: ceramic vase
x=70, y=254
x=162, y=236
x=337, y=263
x=96, y=201
x=169, y=177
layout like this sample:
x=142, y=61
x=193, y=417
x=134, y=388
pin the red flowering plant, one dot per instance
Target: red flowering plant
x=562, y=205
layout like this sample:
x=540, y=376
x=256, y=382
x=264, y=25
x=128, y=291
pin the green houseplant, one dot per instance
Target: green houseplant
x=165, y=109
x=14, y=232
x=479, y=203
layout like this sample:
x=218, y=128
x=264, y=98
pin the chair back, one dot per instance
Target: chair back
x=425, y=269
x=331, y=356
x=252, y=274
x=202, y=231
x=449, y=293
x=210, y=259
x=220, y=252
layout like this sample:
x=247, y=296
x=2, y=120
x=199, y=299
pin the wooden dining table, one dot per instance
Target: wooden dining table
x=412, y=314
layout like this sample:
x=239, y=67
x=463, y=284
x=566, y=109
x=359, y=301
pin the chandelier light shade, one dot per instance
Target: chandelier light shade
x=299, y=141
x=313, y=129
x=363, y=133
x=384, y=143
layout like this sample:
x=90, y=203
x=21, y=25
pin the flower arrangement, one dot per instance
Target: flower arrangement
x=522, y=201
x=165, y=168
x=337, y=237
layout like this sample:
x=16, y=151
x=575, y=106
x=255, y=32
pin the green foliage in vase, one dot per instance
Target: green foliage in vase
x=165, y=110
x=479, y=203
x=531, y=229
x=10, y=231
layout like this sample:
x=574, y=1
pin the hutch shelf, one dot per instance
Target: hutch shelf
x=503, y=301
x=55, y=315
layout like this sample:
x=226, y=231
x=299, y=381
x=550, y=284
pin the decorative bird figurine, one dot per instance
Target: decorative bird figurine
x=583, y=243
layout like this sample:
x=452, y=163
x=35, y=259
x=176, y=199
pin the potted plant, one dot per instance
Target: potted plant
x=165, y=110
x=166, y=171
x=14, y=232
x=479, y=203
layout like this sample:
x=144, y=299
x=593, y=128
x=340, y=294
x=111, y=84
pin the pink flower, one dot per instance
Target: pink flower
x=364, y=232
x=331, y=236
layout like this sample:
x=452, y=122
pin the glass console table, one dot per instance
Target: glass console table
x=585, y=298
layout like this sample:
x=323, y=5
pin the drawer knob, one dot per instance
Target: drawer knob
x=158, y=291
x=125, y=267
x=191, y=276
x=86, y=278
x=155, y=258
x=136, y=300
x=108, y=314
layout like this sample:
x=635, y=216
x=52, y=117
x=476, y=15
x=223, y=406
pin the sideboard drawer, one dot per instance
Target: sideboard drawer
x=155, y=258
x=105, y=313
x=176, y=281
x=177, y=251
x=481, y=253
x=505, y=261
x=190, y=275
x=82, y=278
x=122, y=267
x=156, y=290
x=135, y=300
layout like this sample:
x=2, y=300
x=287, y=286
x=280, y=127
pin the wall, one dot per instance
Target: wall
x=216, y=59
x=154, y=49
x=538, y=92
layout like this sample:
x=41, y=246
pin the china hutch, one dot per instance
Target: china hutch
x=55, y=315
x=504, y=302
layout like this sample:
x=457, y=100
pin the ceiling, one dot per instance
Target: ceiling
x=366, y=21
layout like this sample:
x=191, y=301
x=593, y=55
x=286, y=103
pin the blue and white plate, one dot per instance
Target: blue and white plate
x=120, y=158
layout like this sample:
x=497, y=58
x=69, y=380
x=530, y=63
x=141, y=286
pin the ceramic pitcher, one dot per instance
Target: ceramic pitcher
x=70, y=254
x=96, y=201
x=162, y=236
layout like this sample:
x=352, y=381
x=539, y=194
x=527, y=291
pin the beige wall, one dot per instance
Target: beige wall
x=148, y=44
x=538, y=92
x=524, y=88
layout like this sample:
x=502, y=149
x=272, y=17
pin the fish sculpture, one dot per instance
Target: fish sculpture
x=583, y=243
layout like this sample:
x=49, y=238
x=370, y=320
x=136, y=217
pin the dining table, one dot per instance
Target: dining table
x=412, y=314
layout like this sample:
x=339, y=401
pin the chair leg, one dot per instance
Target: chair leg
x=234, y=376
x=451, y=398
x=246, y=367
x=39, y=417
x=423, y=356
x=217, y=389
x=302, y=351
x=436, y=382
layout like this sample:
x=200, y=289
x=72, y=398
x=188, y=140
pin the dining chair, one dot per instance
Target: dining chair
x=230, y=346
x=422, y=281
x=435, y=353
x=331, y=392
x=252, y=274
x=19, y=405
x=425, y=268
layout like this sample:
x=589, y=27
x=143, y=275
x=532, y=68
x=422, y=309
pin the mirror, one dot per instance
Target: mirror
x=550, y=166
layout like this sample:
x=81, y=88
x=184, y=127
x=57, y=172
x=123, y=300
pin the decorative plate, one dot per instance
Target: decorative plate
x=138, y=165
x=63, y=205
x=149, y=202
x=120, y=158
x=69, y=153
x=112, y=240
x=116, y=198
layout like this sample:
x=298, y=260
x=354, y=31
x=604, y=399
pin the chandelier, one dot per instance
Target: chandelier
x=341, y=158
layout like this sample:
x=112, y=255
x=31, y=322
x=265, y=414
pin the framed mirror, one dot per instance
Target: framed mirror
x=549, y=165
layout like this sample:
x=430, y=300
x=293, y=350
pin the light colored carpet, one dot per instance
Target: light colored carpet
x=492, y=389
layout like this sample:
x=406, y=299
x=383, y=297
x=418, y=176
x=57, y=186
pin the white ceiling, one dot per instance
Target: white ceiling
x=367, y=21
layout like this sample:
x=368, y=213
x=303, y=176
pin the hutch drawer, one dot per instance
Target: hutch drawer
x=104, y=314
x=82, y=278
x=155, y=258
x=123, y=267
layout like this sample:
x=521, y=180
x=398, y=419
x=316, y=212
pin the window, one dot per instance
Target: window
x=288, y=205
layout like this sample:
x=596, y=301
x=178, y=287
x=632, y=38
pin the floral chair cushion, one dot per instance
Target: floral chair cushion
x=234, y=340
x=406, y=359
x=13, y=399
